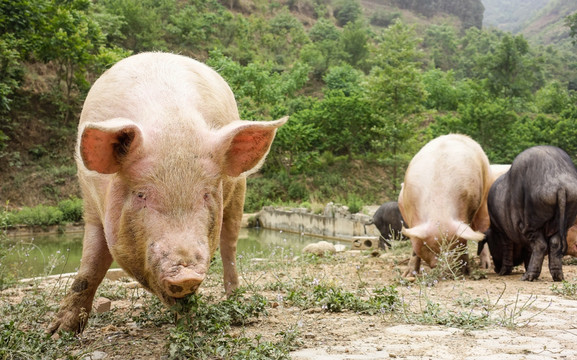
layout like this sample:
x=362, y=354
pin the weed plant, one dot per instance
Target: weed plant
x=566, y=289
x=203, y=330
x=465, y=312
x=22, y=329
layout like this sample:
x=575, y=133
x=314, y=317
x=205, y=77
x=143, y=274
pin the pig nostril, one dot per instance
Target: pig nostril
x=175, y=289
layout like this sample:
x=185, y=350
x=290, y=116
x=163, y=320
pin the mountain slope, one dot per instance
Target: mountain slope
x=470, y=12
x=508, y=15
x=548, y=25
x=541, y=21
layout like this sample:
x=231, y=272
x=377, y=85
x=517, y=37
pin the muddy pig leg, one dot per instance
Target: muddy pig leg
x=76, y=305
x=507, y=256
x=539, y=249
x=555, y=258
x=414, y=266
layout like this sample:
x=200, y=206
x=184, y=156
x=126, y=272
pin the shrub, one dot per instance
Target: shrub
x=71, y=209
x=40, y=215
x=383, y=18
x=355, y=204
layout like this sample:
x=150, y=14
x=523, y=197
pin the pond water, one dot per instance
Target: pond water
x=49, y=254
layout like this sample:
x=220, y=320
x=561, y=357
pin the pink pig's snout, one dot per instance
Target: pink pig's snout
x=186, y=281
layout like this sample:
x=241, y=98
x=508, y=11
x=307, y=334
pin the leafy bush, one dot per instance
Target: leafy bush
x=355, y=204
x=40, y=215
x=71, y=209
x=384, y=18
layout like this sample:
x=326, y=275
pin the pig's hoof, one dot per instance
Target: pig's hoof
x=529, y=277
x=68, y=321
x=506, y=270
x=557, y=275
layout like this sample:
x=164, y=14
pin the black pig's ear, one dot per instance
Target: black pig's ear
x=104, y=146
x=246, y=144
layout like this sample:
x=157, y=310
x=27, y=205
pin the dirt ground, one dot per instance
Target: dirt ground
x=528, y=319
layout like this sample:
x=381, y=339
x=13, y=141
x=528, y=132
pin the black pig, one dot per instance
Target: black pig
x=531, y=208
x=389, y=221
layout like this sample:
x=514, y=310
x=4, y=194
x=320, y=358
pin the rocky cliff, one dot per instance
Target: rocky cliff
x=469, y=11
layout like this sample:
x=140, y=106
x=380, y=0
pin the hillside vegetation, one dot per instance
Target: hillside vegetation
x=540, y=21
x=366, y=83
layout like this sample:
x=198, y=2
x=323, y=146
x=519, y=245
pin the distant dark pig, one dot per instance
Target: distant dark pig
x=162, y=158
x=531, y=208
x=389, y=221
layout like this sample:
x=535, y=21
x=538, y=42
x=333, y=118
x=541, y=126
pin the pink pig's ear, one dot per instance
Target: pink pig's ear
x=246, y=144
x=104, y=145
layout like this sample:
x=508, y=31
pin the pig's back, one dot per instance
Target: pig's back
x=446, y=178
x=159, y=89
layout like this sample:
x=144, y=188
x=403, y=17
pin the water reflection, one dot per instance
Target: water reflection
x=42, y=255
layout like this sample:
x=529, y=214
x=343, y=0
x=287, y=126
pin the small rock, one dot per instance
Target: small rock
x=132, y=285
x=320, y=248
x=340, y=248
x=310, y=336
x=97, y=355
x=115, y=274
x=102, y=305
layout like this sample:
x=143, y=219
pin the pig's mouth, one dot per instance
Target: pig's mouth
x=182, y=301
x=180, y=282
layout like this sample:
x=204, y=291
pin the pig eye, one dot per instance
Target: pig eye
x=141, y=195
x=206, y=197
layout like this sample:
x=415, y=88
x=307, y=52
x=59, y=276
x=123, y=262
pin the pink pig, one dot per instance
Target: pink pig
x=162, y=158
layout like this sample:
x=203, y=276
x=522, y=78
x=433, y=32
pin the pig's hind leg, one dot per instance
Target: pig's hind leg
x=76, y=305
x=539, y=249
x=556, y=257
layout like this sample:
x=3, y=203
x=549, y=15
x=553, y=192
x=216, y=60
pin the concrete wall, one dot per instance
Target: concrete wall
x=335, y=222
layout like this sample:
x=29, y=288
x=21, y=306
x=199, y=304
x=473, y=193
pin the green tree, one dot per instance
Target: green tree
x=473, y=50
x=571, y=22
x=21, y=30
x=345, y=123
x=396, y=92
x=443, y=93
x=512, y=70
x=259, y=88
x=325, y=49
x=553, y=98
x=10, y=70
x=486, y=122
x=294, y=148
x=441, y=42
x=344, y=78
x=347, y=11
x=143, y=22
x=197, y=25
x=285, y=35
x=72, y=41
x=354, y=39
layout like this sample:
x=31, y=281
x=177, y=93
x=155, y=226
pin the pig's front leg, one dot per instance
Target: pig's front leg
x=231, y=222
x=76, y=305
x=414, y=266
